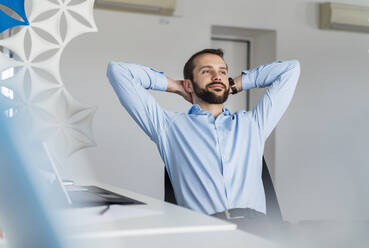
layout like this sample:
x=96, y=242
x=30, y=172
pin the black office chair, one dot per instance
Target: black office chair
x=273, y=211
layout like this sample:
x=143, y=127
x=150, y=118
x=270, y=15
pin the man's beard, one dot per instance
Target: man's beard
x=208, y=96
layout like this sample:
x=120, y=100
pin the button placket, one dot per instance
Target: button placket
x=220, y=139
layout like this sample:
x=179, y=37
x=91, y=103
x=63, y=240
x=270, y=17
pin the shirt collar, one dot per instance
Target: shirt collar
x=196, y=110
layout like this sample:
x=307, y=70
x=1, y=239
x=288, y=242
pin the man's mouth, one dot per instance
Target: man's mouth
x=217, y=86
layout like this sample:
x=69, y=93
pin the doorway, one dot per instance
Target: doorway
x=237, y=57
x=244, y=49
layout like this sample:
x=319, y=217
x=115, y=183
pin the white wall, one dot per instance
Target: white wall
x=321, y=142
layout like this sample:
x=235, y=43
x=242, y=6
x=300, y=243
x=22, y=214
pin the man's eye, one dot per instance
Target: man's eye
x=223, y=72
x=206, y=71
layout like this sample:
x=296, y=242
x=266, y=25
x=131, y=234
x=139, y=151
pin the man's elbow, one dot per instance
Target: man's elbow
x=119, y=68
x=116, y=70
x=110, y=69
x=294, y=65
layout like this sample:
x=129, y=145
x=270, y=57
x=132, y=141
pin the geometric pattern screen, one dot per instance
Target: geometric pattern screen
x=30, y=77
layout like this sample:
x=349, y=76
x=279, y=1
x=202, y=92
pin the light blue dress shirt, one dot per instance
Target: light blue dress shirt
x=213, y=164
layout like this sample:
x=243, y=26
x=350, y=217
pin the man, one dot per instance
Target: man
x=213, y=157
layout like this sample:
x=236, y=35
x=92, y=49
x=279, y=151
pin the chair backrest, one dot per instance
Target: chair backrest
x=168, y=189
x=273, y=210
x=272, y=207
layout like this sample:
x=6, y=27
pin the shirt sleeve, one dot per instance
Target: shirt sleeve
x=281, y=79
x=131, y=83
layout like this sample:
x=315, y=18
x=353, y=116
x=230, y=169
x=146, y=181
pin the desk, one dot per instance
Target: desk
x=174, y=227
x=170, y=219
x=220, y=239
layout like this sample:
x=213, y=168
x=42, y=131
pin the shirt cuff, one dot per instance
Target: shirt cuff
x=246, y=82
x=160, y=81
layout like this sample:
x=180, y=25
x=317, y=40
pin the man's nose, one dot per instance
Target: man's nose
x=216, y=76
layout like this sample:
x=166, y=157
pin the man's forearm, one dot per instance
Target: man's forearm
x=129, y=75
x=266, y=75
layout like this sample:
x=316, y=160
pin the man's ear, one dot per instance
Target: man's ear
x=187, y=85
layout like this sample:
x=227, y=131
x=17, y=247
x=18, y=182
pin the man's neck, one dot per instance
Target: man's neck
x=215, y=109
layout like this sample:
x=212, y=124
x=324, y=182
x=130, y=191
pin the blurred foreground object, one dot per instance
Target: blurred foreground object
x=25, y=213
x=30, y=58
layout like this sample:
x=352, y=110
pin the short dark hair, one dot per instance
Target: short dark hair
x=190, y=65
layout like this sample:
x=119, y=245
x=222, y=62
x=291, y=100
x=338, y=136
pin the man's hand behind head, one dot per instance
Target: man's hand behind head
x=176, y=86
